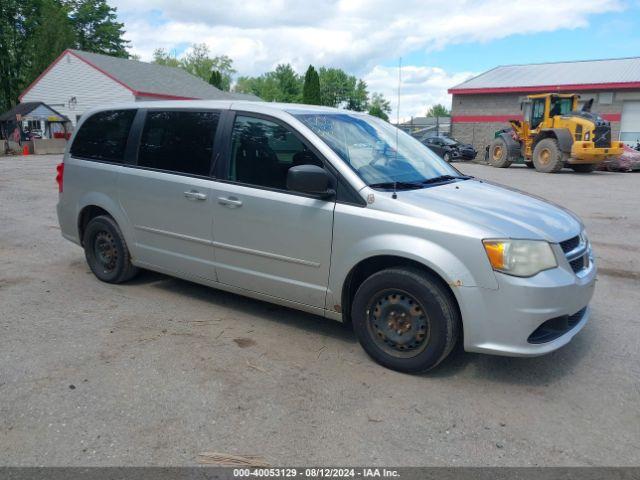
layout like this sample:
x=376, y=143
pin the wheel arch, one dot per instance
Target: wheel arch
x=562, y=135
x=96, y=204
x=375, y=263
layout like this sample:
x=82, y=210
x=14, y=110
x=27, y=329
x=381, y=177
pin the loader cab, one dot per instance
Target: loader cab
x=537, y=110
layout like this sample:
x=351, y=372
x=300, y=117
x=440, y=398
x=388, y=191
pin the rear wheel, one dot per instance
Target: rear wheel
x=499, y=154
x=547, y=156
x=405, y=319
x=584, y=167
x=106, y=251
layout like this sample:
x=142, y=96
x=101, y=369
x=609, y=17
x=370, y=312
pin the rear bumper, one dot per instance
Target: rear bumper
x=503, y=321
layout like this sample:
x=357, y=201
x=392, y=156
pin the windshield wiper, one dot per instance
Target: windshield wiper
x=445, y=178
x=398, y=185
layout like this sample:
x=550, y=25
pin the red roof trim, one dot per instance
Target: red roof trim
x=104, y=72
x=547, y=88
x=107, y=74
x=612, y=117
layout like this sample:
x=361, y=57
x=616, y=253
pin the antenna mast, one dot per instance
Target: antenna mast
x=395, y=192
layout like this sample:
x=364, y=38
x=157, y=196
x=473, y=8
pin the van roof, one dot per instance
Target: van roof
x=228, y=104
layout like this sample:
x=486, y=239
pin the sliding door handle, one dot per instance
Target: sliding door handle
x=195, y=195
x=231, y=202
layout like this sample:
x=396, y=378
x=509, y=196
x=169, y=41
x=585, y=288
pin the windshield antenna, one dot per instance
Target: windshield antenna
x=395, y=183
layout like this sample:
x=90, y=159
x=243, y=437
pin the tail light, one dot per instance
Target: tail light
x=60, y=176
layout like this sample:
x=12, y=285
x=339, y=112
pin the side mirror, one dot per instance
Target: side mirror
x=309, y=179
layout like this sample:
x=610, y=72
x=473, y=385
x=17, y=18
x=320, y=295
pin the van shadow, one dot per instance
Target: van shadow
x=247, y=306
x=535, y=371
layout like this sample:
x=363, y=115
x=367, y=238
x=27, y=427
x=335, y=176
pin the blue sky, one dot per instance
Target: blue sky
x=610, y=35
x=441, y=42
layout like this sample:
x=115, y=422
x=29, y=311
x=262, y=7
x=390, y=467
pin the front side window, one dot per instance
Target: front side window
x=263, y=151
x=378, y=152
x=104, y=136
x=178, y=141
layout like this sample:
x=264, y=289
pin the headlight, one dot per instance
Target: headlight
x=521, y=258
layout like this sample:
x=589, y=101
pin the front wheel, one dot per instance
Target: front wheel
x=447, y=157
x=405, y=319
x=547, y=156
x=106, y=251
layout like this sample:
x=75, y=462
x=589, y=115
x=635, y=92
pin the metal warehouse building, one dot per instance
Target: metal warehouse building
x=485, y=103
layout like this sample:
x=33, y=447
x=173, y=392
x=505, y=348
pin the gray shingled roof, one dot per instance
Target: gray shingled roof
x=146, y=77
x=588, y=72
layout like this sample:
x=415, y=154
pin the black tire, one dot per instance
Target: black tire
x=499, y=154
x=547, y=156
x=106, y=251
x=431, y=312
x=583, y=167
x=529, y=164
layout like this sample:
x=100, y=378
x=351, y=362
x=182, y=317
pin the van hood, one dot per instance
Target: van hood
x=507, y=212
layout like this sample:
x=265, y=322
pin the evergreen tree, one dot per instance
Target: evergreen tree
x=311, y=87
x=216, y=79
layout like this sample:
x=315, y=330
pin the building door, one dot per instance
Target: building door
x=630, y=123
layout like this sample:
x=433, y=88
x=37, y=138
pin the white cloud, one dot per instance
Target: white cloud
x=421, y=87
x=357, y=35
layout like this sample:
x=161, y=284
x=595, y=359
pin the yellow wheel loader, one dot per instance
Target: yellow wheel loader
x=555, y=134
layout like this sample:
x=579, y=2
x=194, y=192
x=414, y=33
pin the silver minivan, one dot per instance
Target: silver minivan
x=328, y=211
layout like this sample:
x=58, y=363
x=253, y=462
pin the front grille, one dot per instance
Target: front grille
x=577, y=253
x=602, y=136
x=556, y=327
x=577, y=264
x=570, y=244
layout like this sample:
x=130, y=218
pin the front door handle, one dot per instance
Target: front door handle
x=231, y=202
x=195, y=195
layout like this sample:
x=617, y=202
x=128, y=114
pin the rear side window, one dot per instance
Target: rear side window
x=104, y=136
x=178, y=141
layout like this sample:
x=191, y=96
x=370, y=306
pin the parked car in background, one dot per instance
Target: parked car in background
x=34, y=133
x=450, y=149
x=629, y=161
x=261, y=199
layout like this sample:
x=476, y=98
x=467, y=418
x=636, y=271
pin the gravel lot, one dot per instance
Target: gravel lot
x=159, y=370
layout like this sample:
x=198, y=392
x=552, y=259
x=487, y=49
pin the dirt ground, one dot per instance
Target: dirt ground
x=158, y=370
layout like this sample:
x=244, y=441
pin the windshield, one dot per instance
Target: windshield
x=368, y=145
x=448, y=141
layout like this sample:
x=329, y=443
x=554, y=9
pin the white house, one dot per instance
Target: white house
x=77, y=81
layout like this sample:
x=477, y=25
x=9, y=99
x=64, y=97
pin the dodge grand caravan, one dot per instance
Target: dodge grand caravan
x=331, y=212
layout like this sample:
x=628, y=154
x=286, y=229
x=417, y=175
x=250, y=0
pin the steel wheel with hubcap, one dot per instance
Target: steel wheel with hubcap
x=405, y=318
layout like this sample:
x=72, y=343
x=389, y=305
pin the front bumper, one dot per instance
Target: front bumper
x=502, y=321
